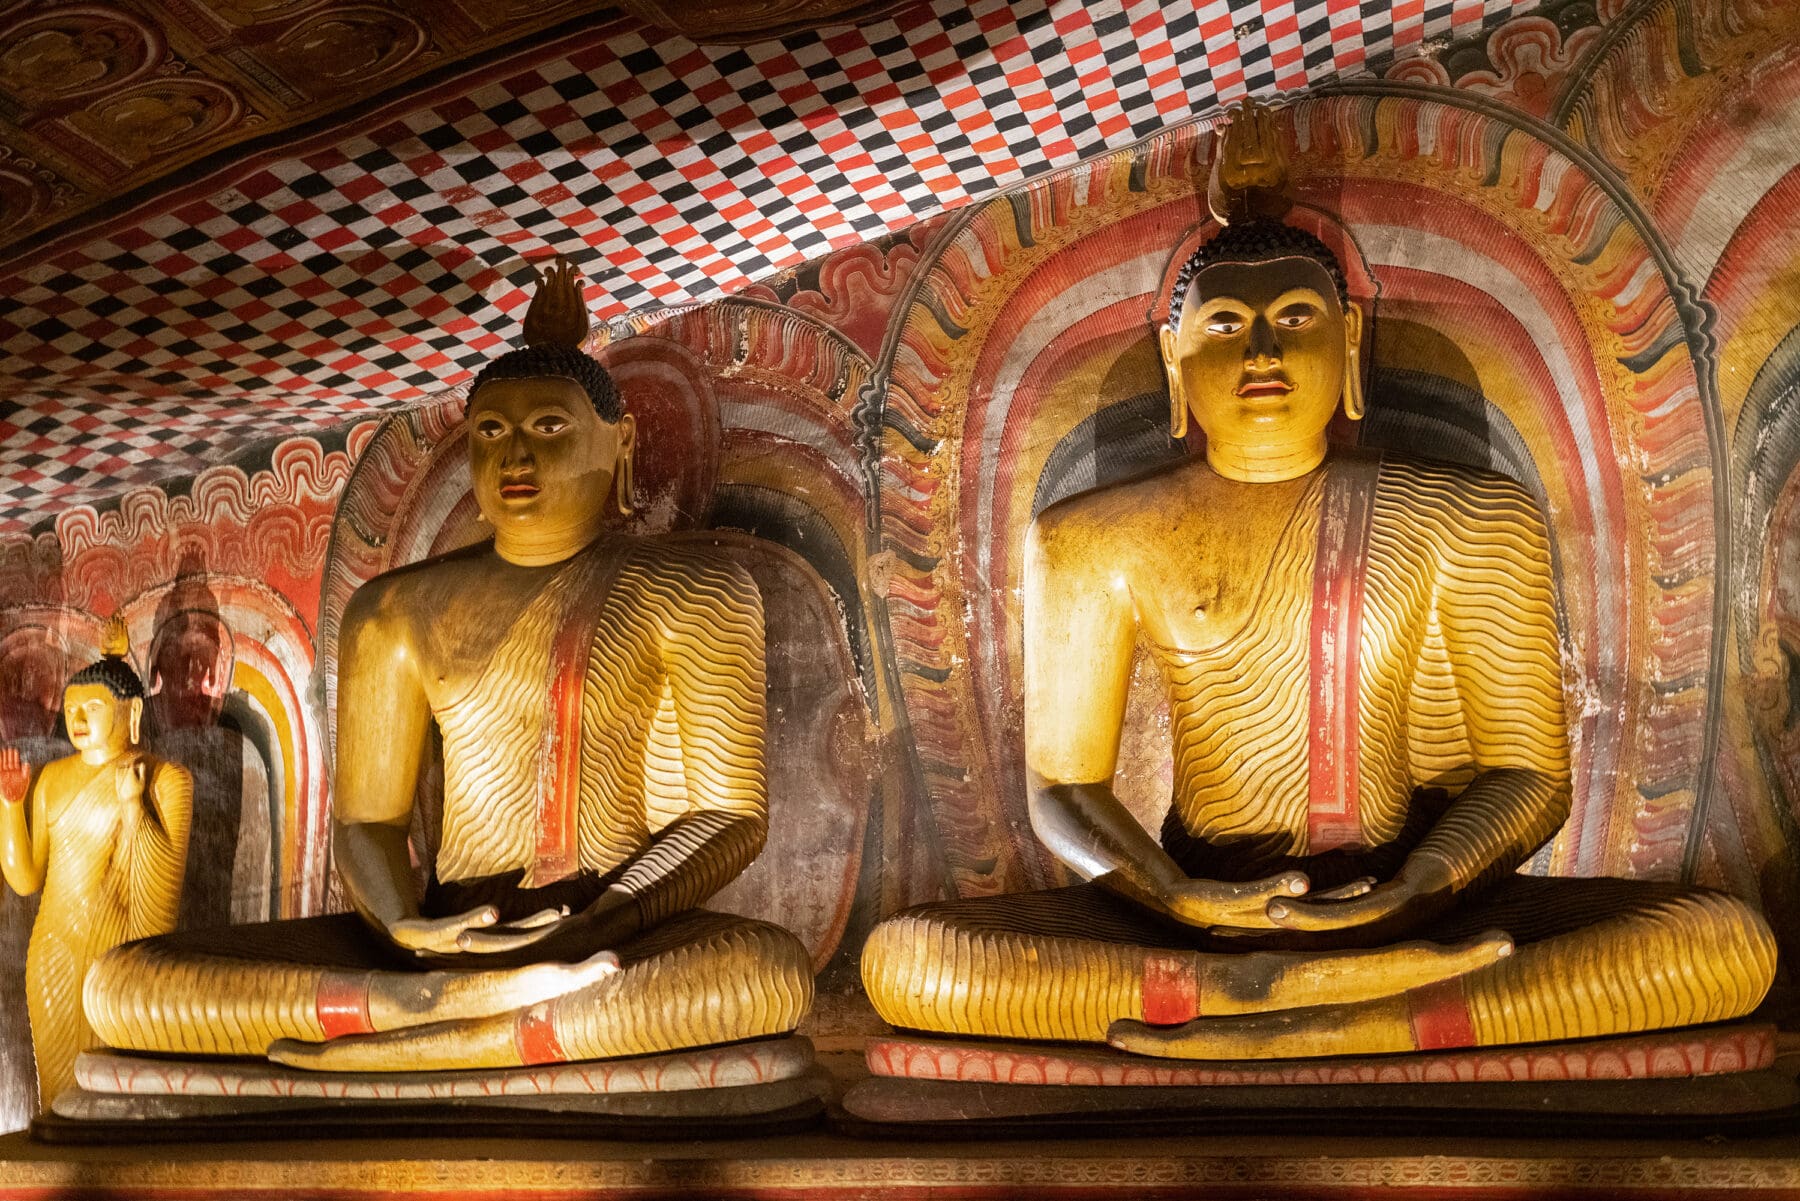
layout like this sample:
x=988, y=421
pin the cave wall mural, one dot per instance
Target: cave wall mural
x=1580, y=243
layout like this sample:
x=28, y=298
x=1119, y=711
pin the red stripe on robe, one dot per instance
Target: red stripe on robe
x=534, y=1035
x=1171, y=988
x=342, y=1004
x=1440, y=1016
x=1333, y=816
x=559, y=755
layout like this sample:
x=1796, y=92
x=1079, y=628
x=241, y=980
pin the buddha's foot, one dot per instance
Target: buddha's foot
x=1369, y=1028
x=401, y=1000
x=1262, y=981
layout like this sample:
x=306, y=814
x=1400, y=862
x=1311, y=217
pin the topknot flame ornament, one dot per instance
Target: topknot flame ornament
x=558, y=314
x=115, y=640
x=1249, y=179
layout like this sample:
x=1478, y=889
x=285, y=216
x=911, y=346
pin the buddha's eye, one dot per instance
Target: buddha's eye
x=1225, y=325
x=490, y=428
x=549, y=423
x=1296, y=316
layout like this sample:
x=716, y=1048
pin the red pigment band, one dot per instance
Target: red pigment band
x=559, y=757
x=535, y=1037
x=1334, y=817
x=1171, y=989
x=1440, y=1016
x=342, y=1004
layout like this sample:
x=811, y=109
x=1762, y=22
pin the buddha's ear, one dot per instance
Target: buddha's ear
x=134, y=716
x=624, y=474
x=1178, y=414
x=1354, y=404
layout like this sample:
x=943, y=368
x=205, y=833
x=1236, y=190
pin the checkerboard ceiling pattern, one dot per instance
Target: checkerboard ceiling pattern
x=384, y=261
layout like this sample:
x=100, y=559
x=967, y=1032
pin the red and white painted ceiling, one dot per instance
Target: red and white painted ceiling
x=224, y=220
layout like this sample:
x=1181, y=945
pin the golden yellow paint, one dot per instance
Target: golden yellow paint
x=666, y=789
x=1462, y=753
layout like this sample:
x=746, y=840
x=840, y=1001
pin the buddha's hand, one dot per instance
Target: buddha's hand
x=449, y=935
x=1242, y=906
x=128, y=782
x=15, y=777
x=611, y=920
x=1420, y=891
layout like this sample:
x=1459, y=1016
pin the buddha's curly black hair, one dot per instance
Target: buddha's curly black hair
x=557, y=362
x=1254, y=242
x=114, y=674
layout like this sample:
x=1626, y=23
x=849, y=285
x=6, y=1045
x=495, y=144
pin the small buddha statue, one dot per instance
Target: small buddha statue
x=600, y=702
x=103, y=833
x=1363, y=669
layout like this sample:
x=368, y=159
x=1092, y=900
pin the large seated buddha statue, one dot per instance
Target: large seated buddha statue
x=600, y=702
x=1362, y=663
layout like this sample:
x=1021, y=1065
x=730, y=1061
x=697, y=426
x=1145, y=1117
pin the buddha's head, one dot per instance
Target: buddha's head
x=103, y=704
x=550, y=444
x=1262, y=341
x=190, y=671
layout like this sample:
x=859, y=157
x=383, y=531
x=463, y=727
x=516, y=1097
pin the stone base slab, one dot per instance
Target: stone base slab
x=748, y=1110
x=1741, y=1103
x=1671, y=1054
x=763, y=1061
x=1295, y=1165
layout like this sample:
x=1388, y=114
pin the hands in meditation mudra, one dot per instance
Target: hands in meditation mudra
x=1362, y=663
x=600, y=700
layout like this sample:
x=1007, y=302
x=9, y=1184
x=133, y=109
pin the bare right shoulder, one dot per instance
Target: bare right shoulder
x=1096, y=528
x=390, y=603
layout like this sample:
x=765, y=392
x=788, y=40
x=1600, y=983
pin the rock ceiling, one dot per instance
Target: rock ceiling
x=227, y=219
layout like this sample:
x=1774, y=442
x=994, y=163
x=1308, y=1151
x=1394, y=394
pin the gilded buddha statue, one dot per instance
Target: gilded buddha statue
x=600, y=701
x=1362, y=662
x=104, y=834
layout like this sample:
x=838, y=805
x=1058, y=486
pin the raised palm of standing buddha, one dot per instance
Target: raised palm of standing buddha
x=1362, y=662
x=600, y=704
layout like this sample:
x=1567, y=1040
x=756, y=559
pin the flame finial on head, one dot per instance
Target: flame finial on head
x=1249, y=179
x=558, y=314
x=115, y=640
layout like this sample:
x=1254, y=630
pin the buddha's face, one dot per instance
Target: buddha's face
x=541, y=460
x=1260, y=353
x=100, y=724
x=189, y=672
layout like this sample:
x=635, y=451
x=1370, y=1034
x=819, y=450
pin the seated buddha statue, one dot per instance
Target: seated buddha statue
x=103, y=833
x=1362, y=664
x=600, y=702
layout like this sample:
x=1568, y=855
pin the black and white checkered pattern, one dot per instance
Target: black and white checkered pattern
x=375, y=267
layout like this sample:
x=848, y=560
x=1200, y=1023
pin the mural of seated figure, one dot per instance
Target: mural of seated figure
x=580, y=682
x=1362, y=661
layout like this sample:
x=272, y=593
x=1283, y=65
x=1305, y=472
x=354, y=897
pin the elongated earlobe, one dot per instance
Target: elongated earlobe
x=1178, y=414
x=135, y=711
x=622, y=483
x=1354, y=403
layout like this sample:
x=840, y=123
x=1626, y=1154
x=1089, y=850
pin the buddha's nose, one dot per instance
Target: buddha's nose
x=1262, y=345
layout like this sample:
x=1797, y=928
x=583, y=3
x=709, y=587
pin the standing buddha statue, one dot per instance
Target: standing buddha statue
x=600, y=700
x=1363, y=668
x=104, y=834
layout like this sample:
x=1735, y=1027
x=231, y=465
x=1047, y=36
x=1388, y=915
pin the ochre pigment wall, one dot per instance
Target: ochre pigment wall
x=1580, y=242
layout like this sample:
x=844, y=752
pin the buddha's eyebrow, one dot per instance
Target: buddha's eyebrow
x=1300, y=295
x=1215, y=303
